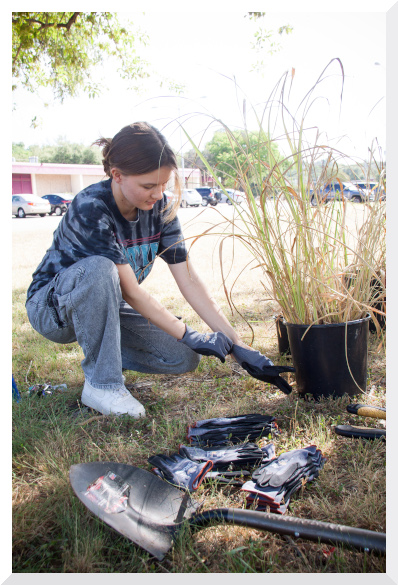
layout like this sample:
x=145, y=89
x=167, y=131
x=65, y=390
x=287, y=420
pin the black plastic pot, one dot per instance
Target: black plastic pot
x=330, y=358
x=380, y=304
x=281, y=332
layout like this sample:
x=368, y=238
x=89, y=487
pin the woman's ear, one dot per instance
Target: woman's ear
x=116, y=175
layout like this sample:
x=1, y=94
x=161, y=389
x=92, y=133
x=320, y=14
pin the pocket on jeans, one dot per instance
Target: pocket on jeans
x=45, y=318
x=60, y=304
x=42, y=318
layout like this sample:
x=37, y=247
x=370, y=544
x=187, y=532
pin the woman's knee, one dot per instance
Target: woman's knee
x=101, y=271
x=188, y=362
x=98, y=265
x=90, y=280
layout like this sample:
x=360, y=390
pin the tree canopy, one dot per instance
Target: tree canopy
x=63, y=152
x=61, y=49
x=227, y=151
x=264, y=39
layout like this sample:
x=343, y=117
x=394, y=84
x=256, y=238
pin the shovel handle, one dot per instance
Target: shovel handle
x=314, y=530
x=367, y=410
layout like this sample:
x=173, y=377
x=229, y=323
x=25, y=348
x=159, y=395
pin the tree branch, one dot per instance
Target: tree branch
x=44, y=25
x=17, y=54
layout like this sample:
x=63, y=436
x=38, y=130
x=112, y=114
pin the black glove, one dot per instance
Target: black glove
x=226, y=458
x=275, y=482
x=281, y=470
x=268, y=452
x=179, y=471
x=261, y=367
x=235, y=478
x=217, y=344
x=287, y=469
x=227, y=430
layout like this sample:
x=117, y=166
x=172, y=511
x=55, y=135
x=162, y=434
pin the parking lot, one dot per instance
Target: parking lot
x=32, y=236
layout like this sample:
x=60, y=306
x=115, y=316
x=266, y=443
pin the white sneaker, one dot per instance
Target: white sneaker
x=116, y=402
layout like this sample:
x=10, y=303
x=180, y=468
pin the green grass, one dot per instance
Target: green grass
x=54, y=533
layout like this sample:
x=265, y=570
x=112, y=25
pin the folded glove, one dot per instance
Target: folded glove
x=274, y=482
x=278, y=471
x=263, y=505
x=226, y=458
x=224, y=431
x=217, y=344
x=261, y=367
x=181, y=472
x=268, y=452
x=236, y=478
x=241, y=420
x=288, y=467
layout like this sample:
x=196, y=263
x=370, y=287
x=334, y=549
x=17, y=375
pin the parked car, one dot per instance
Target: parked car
x=28, y=204
x=234, y=195
x=170, y=195
x=59, y=202
x=208, y=196
x=332, y=191
x=367, y=191
x=190, y=197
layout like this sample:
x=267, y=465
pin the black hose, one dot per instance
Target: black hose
x=315, y=530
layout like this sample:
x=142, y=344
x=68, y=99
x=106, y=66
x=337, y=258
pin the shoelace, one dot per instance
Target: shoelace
x=120, y=394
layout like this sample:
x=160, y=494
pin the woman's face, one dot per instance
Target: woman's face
x=139, y=191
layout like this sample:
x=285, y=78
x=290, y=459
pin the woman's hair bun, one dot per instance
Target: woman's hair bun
x=105, y=144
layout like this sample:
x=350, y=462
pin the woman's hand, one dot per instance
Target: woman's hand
x=261, y=367
x=217, y=344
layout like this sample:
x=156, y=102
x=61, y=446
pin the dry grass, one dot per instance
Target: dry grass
x=53, y=532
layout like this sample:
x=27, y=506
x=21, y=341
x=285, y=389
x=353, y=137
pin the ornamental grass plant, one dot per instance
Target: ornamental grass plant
x=319, y=267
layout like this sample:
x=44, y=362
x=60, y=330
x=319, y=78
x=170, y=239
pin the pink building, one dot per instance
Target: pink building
x=44, y=178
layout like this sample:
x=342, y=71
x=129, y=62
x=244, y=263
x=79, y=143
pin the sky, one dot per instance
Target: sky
x=210, y=53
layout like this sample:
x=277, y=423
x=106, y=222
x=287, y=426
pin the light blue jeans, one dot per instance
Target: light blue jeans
x=84, y=303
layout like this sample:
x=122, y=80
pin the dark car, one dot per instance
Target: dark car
x=330, y=192
x=207, y=195
x=59, y=202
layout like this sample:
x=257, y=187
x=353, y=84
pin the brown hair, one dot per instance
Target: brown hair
x=138, y=149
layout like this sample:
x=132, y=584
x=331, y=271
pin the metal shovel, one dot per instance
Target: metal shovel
x=150, y=512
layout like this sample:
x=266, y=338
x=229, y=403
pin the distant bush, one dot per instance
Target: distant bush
x=62, y=153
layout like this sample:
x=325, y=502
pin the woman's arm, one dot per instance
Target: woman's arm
x=196, y=293
x=146, y=305
x=217, y=344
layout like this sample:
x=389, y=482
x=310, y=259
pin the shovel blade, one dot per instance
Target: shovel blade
x=140, y=506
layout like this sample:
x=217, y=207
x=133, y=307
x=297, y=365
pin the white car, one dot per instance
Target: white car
x=234, y=195
x=190, y=197
x=28, y=204
x=170, y=195
x=367, y=190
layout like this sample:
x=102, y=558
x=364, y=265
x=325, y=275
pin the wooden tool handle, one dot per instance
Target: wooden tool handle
x=367, y=410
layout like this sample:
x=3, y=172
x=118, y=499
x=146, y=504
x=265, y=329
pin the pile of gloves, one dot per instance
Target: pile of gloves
x=211, y=455
x=274, y=482
x=218, y=432
x=189, y=467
